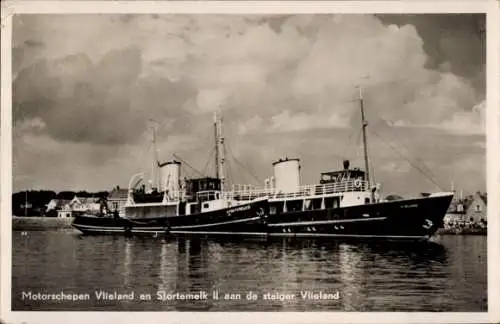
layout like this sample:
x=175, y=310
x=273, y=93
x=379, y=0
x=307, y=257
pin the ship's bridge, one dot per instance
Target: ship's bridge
x=203, y=188
x=341, y=176
x=347, y=174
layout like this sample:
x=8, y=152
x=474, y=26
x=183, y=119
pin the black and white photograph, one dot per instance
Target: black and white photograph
x=265, y=161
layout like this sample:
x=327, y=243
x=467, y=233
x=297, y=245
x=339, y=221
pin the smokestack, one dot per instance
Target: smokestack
x=346, y=164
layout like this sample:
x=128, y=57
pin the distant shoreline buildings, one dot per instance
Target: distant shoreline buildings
x=66, y=204
x=467, y=211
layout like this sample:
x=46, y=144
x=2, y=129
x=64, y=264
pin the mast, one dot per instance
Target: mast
x=222, y=155
x=154, y=162
x=365, y=144
x=216, y=138
x=219, y=149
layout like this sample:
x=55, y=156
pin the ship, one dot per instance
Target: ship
x=344, y=203
x=205, y=210
x=197, y=205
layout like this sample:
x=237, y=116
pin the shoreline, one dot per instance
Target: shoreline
x=37, y=223
x=462, y=231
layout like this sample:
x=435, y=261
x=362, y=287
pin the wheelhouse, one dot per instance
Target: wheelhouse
x=341, y=176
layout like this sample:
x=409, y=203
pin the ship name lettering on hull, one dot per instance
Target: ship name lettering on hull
x=243, y=208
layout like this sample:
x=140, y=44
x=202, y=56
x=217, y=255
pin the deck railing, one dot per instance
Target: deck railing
x=245, y=192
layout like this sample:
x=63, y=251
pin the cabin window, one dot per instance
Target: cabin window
x=308, y=204
x=206, y=205
x=329, y=203
x=367, y=200
x=276, y=208
x=294, y=205
x=316, y=203
x=479, y=209
x=193, y=209
x=336, y=202
x=182, y=208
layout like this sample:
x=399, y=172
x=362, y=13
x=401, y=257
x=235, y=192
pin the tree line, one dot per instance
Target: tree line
x=37, y=200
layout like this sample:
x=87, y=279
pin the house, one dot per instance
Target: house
x=84, y=204
x=67, y=208
x=476, y=211
x=65, y=211
x=55, y=206
x=456, y=212
x=117, y=199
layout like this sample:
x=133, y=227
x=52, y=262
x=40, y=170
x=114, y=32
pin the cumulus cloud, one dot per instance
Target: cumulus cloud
x=98, y=79
x=469, y=122
x=208, y=62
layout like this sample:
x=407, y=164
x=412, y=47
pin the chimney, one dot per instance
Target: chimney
x=346, y=164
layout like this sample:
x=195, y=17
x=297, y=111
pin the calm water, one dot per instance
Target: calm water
x=448, y=275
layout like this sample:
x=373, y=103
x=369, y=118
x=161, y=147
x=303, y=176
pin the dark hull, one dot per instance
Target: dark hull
x=241, y=219
x=414, y=219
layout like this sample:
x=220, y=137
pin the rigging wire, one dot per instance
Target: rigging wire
x=229, y=174
x=407, y=160
x=192, y=168
x=241, y=174
x=204, y=170
x=389, y=122
x=372, y=172
x=358, y=141
x=244, y=167
x=347, y=143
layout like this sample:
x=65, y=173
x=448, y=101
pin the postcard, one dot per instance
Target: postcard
x=250, y=161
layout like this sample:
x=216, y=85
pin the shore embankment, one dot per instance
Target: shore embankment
x=461, y=231
x=40, y=223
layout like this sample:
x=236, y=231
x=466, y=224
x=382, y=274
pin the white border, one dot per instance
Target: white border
x=490, y=7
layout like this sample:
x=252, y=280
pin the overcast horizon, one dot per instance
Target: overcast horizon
x=85, y=86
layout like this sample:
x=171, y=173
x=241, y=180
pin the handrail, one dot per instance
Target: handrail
x=302, y=191
x=310, y=191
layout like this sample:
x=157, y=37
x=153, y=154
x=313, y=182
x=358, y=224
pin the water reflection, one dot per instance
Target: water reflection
x=384, y=276
x=351, y=276
x=127, y=262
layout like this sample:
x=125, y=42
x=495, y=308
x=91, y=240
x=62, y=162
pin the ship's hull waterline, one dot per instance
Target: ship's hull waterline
x=411, y=219
x=242, y=218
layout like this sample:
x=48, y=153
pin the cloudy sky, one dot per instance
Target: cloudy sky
x=86, y=86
